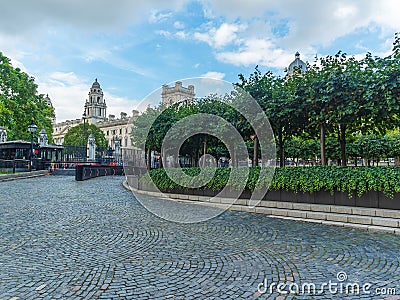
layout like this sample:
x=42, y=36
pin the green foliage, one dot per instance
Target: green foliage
x=339, y=96
x=78, y=136
x=301, y=148
x=20, y=102
x=152, y=125
x=299, y=179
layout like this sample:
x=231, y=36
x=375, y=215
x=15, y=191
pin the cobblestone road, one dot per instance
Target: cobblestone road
x=62, y=239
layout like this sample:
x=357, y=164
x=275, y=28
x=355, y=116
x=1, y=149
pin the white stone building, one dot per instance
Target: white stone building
x=95, y=110
x=118, y=130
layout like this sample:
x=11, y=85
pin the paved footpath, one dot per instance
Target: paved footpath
x=62, y=239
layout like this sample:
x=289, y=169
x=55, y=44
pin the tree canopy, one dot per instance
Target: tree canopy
x=78, y=136
x=20, y=102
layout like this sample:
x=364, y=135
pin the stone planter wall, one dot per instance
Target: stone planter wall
x=371, y=199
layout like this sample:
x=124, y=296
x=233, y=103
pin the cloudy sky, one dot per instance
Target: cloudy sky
x=133, y=47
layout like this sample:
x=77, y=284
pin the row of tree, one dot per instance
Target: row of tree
x=20, y=102
x=339, y=99
x=372, y=148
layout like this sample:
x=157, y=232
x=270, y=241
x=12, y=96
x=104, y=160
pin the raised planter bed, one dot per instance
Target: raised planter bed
x=373, y=187
x=386, y=202
x=370, y=199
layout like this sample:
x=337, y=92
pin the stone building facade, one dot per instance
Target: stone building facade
x=117, y=130
x=95, y=110
x=177, y=93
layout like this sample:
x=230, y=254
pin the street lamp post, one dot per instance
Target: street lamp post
x=84, y=134
x=32, y=129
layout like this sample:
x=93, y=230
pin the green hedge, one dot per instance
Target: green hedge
x=299, y=179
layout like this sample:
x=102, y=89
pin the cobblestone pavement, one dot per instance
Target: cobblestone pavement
x=62, y=239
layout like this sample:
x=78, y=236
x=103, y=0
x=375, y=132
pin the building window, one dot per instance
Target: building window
x=108, y=133
x=120, y=131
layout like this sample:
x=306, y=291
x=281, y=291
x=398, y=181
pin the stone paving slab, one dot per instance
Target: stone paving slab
x=62, y=239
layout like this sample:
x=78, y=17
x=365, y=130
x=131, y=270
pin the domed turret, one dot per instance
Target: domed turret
x=95, y=84
x=297, y=64
x=50, y=104
x=95, y=105
x=48, y=100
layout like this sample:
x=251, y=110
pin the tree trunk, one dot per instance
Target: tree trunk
x=193, y=159
x=148, y=161
x=196, y=159
x=161, y=160
x=255, y=154
x=322, y=144
x=281, y=149
x=342, y=129
x=204, y=152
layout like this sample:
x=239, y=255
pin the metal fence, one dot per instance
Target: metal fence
x=74, y=153
x=15, y=165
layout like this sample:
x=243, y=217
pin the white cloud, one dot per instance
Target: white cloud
x=386, y=13
x=179, y=25
x=67, y=92
x=164, y=33
x=257, y=51
x=181, y=35
x=18, y=64
x=20, y=16
x=234, y=8
x=345, y=12
x=157, y=16
x=99, y=52
x=116, y=105
x=269, y=32
x=222, y=36
x=310, y=23
x=214, y=75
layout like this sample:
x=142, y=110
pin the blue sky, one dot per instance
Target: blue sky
x=133, y=47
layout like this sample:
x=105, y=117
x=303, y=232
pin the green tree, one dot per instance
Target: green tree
x=20, y=102
x=282, y=106
x=78, y=136
x=297, y=148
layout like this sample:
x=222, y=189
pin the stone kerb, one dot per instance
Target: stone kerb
x=315, y=207
x=23, y=175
